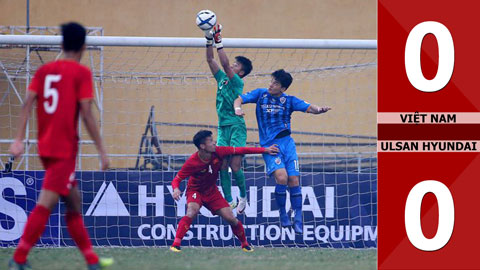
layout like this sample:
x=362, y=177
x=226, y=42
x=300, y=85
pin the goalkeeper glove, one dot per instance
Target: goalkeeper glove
x=217, y=36
x=209, y=36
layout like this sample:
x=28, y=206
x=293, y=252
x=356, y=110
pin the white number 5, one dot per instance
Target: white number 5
x=48, y=91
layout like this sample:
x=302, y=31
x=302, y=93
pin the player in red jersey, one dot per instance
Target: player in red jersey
x=62, y=89
x=202, y=168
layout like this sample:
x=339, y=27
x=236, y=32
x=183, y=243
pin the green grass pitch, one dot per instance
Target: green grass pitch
x=204, y=258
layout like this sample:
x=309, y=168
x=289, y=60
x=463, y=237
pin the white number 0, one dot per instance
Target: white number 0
x=48, y=91
x=446, y=215
x=446, y=56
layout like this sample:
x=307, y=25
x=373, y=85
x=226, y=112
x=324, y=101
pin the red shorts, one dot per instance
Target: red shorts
x=59, y=175
x=213, y=201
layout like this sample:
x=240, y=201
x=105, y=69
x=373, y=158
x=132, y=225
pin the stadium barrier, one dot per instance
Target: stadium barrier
x=136, y=209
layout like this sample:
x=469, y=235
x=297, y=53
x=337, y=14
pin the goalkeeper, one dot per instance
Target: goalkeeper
x=274, y=110
x=231, y=128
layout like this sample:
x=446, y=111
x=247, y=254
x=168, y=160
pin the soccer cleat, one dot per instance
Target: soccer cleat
x=233, y=204
x=242, y=204
x=298, y=227
x=176, y=248
x=12, y=265
x=247, y=248
x=285, y=220
x=298, y=222
x=103, y=263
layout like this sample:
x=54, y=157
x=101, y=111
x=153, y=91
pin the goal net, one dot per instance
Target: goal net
x=151, y=100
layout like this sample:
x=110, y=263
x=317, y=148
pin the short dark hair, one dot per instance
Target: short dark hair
x=200, y=137
x=246, y=64
x=73, y=36
x=283, y=77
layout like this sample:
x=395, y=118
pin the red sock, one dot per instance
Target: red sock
x=182, y=229
x=240, y=233
x=31, y=233
x=77, y=231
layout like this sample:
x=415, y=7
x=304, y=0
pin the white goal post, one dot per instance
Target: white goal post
x=196, y=42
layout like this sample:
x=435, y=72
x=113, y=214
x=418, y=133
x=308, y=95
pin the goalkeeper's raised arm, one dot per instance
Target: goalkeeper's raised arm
x=242, y=66
x=212, y=64
x=217, y=36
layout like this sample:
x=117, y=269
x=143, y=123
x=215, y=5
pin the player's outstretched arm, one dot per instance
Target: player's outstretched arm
x=250, y=97
x=314, y=109
x=214, y=68
x=90, y=123
x=217, y=36
x=16, y=148
x=237, y=106
x=229, y=150
x=272, y=150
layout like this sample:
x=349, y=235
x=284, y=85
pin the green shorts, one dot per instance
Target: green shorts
x=233, y=135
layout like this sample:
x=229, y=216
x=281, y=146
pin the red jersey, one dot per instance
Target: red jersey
x=204, y=174
x=60, y=86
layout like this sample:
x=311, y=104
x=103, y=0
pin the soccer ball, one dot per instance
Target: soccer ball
x=206, y=19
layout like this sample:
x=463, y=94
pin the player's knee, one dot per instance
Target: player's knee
x=73, y=203
x=48, y=199
x=73, y=207
x=48, y=205
x=192, y=211
x=224, y=165
x=236, y=163
x=232, y=220
x=281, y=179
x=192, y=214
x=293, y=181
x=235, y=167
x=227, y=215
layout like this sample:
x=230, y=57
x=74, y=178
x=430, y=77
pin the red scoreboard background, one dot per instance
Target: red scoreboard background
x=422, y=79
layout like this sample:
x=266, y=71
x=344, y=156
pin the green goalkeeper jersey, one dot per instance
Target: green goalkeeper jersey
x=228, y=90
